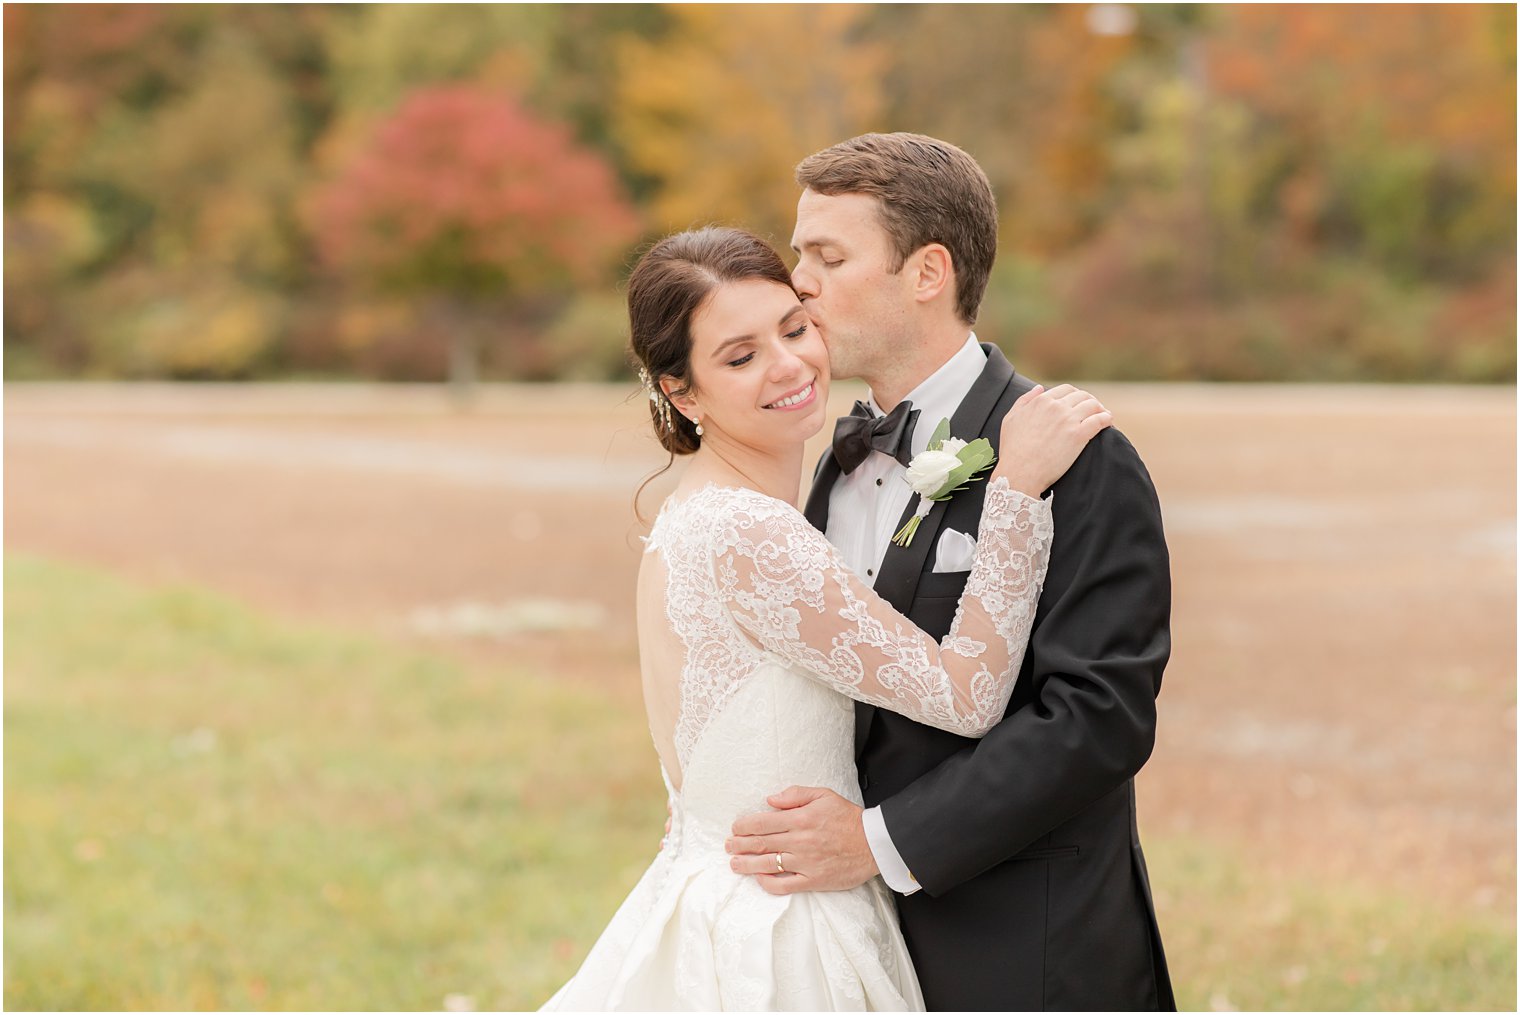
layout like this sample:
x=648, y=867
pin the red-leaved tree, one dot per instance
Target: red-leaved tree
x=462, y=198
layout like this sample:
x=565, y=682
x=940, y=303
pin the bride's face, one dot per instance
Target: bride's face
x=760, y=372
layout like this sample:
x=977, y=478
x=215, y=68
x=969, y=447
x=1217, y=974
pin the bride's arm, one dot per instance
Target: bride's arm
x=787, y=588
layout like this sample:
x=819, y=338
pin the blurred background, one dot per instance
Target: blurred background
x=1188, y=192
x=321, y=687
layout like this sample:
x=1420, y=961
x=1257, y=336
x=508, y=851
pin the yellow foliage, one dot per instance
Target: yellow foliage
x=721, y=110
x=215, y=331
x=217, y=164
x=49, y=235
x=363, y=323
x=388, y=50
x=196, y=324
x=1028, y=90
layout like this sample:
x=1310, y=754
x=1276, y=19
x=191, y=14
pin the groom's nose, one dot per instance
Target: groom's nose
x=805, y=283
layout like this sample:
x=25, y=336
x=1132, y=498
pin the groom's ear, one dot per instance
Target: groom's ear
x=933, y=272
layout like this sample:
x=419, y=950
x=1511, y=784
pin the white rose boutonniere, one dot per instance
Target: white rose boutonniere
x=947, y=466
x=929, y=471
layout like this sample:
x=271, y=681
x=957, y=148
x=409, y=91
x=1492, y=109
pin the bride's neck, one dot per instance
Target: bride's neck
x=773, y=472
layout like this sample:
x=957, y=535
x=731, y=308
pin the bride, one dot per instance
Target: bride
x=754, y=637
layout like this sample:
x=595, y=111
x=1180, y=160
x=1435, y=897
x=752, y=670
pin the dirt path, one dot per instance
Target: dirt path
x=1342, y=692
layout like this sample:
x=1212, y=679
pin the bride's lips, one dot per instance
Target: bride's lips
x=809, y=391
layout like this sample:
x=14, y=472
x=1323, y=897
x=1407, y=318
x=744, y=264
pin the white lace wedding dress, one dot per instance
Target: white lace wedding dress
x=754, y=637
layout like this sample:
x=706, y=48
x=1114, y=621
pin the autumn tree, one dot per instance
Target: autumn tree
x=1031, y=90
x=462, y=198
x=559, y=59
x=718, y=110
x=1395, y=123
x=157, y=154
x=1230, y=191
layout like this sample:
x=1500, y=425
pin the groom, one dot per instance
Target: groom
x=1016, y=859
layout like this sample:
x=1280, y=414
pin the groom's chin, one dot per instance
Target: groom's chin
x=840, y=366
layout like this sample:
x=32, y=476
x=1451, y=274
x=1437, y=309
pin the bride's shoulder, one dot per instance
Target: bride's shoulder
x=711, y=496
x=717, y=508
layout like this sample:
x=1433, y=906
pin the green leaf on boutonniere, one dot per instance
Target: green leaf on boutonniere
x=975, y=458
x=940, y=433
x=979, y=453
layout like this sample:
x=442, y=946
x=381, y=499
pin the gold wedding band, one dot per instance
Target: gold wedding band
x=779, y=868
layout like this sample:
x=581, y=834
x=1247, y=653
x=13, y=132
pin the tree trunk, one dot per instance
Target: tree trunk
x=460, y=321
x=464, y=356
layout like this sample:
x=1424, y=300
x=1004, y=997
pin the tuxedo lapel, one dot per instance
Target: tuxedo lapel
x=975, y=410
x=817, y=508
x=902, y=566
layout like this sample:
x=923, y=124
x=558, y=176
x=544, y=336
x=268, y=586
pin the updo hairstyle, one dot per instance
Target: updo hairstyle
x=668, y=286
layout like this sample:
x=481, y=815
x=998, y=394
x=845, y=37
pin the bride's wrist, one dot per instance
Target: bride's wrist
x=1021, y=481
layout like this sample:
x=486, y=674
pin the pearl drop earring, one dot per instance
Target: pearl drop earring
x=698, y=422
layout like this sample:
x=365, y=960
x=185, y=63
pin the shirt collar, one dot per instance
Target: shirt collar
x=942, y=392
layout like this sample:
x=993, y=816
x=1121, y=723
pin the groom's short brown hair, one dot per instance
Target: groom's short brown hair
x=929, y=191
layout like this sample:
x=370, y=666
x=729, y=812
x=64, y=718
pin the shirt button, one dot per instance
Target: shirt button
x=869, y=572
x=878, y=482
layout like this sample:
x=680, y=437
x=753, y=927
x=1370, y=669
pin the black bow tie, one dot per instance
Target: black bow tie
x=862, y=432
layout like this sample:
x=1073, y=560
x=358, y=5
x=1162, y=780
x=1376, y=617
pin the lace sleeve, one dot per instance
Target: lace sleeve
x=788, y=590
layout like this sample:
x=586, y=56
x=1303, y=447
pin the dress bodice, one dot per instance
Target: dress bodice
x=779, y=729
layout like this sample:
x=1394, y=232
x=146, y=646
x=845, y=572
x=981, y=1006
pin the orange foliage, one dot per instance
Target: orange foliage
x=1236, y=191
x=1029, y=91
x=1442, y=75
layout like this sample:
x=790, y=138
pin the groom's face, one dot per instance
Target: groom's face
x=844, y=275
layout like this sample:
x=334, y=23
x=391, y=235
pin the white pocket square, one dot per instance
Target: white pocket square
x=954, y=552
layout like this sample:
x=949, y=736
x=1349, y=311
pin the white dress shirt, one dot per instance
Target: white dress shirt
x=864, y=509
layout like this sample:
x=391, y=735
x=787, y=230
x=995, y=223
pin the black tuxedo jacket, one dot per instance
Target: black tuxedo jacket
x=1035, y=893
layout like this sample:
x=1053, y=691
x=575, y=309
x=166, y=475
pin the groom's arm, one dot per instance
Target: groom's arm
x=1099, y=645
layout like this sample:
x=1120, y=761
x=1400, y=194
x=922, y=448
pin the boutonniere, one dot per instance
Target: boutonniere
x=947, y=466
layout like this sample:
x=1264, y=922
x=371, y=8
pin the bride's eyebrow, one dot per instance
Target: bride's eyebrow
x=718, y=352
x=736, y=340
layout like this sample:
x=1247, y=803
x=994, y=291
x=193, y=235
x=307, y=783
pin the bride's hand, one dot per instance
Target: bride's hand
x=1043, y=434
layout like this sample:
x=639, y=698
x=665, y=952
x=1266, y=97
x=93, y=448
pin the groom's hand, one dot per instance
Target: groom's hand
x=818, y=835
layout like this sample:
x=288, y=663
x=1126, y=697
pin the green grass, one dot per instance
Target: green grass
x=1238, y=939
x=208, y=808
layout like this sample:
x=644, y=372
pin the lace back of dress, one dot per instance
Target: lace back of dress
x=691, y=656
